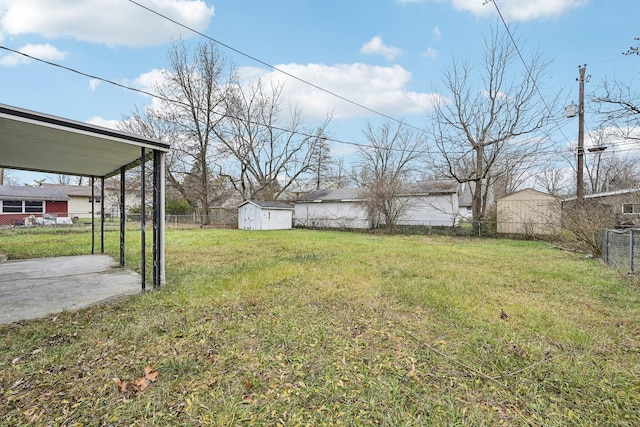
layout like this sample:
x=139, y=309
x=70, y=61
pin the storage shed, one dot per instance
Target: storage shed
x=264, y=215
x=530, y=212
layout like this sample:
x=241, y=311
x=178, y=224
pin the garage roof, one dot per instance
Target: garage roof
x=43, y=143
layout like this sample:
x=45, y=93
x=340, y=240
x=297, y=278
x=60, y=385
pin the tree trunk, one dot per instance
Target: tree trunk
x=476, y=205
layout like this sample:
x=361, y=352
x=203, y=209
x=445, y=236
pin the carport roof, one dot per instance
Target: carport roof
x=43, y=143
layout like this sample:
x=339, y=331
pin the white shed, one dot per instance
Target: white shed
x=263, y=215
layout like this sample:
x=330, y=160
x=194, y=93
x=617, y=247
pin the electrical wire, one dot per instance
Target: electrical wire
x=524, y=63
x=427, y=151
x=174, y=101
x=339, y=141
x=279, y=70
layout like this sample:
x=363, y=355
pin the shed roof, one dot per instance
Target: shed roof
x=267, y=204
x=44, y=143
x=15, y=192
x=341, y=194
x=527, y=193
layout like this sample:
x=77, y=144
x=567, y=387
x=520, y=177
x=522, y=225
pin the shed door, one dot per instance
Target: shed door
x=249, y=217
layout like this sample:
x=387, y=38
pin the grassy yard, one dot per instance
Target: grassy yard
x=326, y=328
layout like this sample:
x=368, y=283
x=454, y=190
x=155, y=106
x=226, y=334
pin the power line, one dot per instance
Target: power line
x=280, y=70
x=174, y=101
x=524, y=63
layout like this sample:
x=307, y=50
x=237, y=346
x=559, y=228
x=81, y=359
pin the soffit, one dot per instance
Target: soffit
x=38, y=142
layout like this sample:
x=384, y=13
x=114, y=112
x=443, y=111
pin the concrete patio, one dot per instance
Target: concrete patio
x=35, y=288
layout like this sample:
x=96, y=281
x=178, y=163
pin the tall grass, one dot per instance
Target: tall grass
x=324, y=328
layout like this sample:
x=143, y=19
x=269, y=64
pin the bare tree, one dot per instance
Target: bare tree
x=618, y=104
x=269, y=152
x=339, y=177
x=553, y=181
x=487, y=130
x=385, y=167
x=606, y=169
x=190, y=103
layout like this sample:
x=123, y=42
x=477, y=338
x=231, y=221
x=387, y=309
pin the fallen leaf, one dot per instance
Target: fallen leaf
x=139, y=385
x=122, y=385
x=150, y=374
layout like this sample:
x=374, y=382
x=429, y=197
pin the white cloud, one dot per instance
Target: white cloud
x=437, y=34
x=41, y=51
x=109, y=22
x=105, y=123
x=431, y=53
x=376, y=46
x=383, y=89
x=149, y=80
x=93, y=84
x=519, y=10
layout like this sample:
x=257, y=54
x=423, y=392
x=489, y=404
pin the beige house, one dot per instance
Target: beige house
x=529, y=212
x=79, y=199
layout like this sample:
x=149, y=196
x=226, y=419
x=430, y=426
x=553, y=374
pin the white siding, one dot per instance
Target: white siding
x=332, y=214
x=438, y=210
x=275, y=219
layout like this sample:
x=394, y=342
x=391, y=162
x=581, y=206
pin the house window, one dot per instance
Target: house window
x=12, y=206
x=630, y=208
x=18, y=206
x=97, y=200
x=33, y=207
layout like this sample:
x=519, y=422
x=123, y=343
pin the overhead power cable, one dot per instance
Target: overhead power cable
x=524, y=63
x=154, y=95
x=273, y=67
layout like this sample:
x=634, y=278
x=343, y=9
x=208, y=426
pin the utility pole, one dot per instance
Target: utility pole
x=580, y=184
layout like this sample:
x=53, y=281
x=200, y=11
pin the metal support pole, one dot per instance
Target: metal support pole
x=102, y=215
x=157, y=238
x=123, y=218
x=631, y=248
x=143, y=222
x=93, y=216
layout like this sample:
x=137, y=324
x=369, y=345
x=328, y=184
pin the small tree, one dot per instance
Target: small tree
x=385, y=167
x=586, y=220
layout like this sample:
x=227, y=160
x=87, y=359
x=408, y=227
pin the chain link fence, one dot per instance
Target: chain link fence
x=621, y=249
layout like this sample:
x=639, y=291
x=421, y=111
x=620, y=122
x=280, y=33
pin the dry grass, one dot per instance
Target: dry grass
x=322, y=328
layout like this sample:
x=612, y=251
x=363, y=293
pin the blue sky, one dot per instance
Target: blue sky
x=388, y=55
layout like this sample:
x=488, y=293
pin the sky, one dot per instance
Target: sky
x=386, y=55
